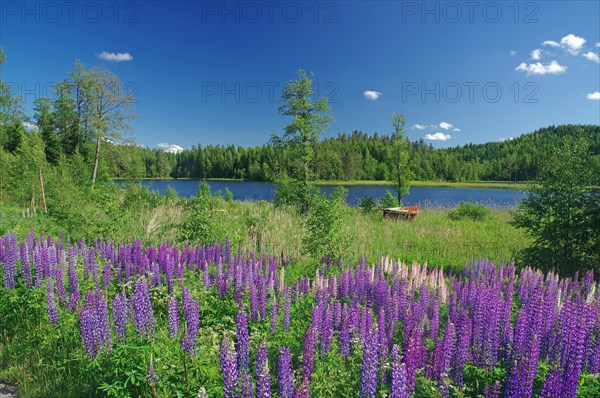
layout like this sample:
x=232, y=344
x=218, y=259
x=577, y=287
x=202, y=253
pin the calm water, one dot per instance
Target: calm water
x=424, y=196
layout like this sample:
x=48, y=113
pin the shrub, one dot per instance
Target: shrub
x=196, y=228
x=324, y=224
x=367, y=204
x=469, y=210
x=388, y=200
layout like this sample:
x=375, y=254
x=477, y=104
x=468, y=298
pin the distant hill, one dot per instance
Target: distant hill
x=359, y=156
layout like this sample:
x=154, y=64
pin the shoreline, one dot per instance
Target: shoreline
x=438, y=184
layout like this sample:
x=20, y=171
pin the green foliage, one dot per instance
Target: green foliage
x=367, y=205
x=293, y=193
x=197, y=226
x=388, y=200
x=403, y=171
x=562, y=214
x=469, y=210
x=325, y=226
x=309, y=120
x=228, y=196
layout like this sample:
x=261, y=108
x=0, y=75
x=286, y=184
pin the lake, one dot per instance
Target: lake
x=436, y=197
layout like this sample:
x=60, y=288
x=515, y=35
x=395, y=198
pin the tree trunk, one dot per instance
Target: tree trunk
x=43, y=192
x=96, y=159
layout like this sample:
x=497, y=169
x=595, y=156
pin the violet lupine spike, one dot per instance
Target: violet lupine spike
x=286, y=375
x=308, y=354
x=382, y=337
x=287, y=303
x=263, y=378
x=254, y=312
x=191, y=314
x=247, y=387
x=262, y=297
x=9, y=266
x=50, y=303
x=242, y=342
x=87, y=328
x=120, y=316
x=26, y=265
x=368, y=386
x=107, y=275
x=228, y=368
x=173, y=315
x=345, y=333
x=274, y=313
x=144, y=316
x=399, y=385
x=493, y=390
x=552, y=384
x=60, y=284
x=74, y=292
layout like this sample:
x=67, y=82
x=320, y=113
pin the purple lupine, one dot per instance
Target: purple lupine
x=263, y=378
x=228, y=368
x=398, y=386
x=75, y=295
x=107, y=275
x=11, y=251
x=345, y=333
x=254, y=313
x=382, y=338
x=173, y=313
x=326, y=330
x=493, y=390
x=87, y=327
x=262, y=297
x=368, y=385
x=26, y=265
x=191, y=315
x=120, y=316
x=151, y=373
x=60, y=284
x=241, y=343
x=50, y=303
x=247, y=387
x=274, y=311
x=286, y=375
x=144, y=316
x=552, y=384
x=308, y=354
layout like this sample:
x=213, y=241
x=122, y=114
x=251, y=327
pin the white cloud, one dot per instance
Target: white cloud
x=445, y=125
x=598, y=44
x=455, y=129
x=114, y=57
x=592, y=56
x=553, y=68
x=372, y=95
x=572, y=43
x=551, y=43
x=437, y=137
x=513, y=53
x=420, y=126
x=536, y=54
x=30, y=126
x=171, y=148
x=595, y=96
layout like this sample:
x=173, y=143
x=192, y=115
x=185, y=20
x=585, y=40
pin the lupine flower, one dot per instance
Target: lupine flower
x=26, y=265
x=10, y=260
x=369, y=369
x=308, y=355
x=191, y=315
x=552, y=384
x=75, y=295
x=263, y=378
x=274, y=310
x=286, y=375
x=228, y=368
x=120, y=316
x=144, y=316
x=398, y=386
x=247, y=386
x=50, y=304
x=173, y=311
x=241, y=344
x=151, y=373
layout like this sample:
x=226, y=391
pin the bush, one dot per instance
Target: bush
x=289, y=192
x=388, y=200
x=324, y=224
x=197, y=227
x=469, y=210
x=367, y=205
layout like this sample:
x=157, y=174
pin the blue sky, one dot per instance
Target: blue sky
x=211, y=72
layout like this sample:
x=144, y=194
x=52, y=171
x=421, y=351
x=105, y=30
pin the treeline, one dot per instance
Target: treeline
x=359, y=156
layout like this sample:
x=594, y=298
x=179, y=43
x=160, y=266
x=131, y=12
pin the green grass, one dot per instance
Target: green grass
x=432, y=237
